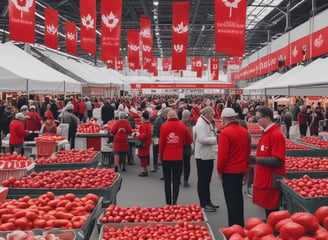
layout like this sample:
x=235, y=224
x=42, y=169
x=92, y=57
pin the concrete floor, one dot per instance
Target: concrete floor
x=149, y=192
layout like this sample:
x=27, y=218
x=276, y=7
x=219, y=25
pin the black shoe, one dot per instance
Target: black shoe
x=208, y=208
x=143, y=174
x=214, y=206
x=174, y=203
x=162, y=178
x=153, y=170
x=123, y=170
x=116, y=169
x=186, y=184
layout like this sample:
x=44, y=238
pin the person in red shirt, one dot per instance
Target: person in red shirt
x=233, y=160
x=269, y=162
x=82, y=110
x=17, y=134
x=33, y=120
x=302, y=121
x=121, y=130
x=174, y=135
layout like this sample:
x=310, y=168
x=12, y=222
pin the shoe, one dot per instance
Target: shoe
x=143, y=174
x=174, y=203
x=162, y=179
x=116, y=169
x=186, y=184
x=153, y=170
x=131, y=163
x=123, y=170
x=208, y=208
x=214, y=206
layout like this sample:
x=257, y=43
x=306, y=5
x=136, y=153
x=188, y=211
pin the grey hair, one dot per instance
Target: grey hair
x=121, y=115
x=165, y=111
x=207, y=110
x=186, y=114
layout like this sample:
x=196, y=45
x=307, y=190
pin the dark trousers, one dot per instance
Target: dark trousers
x=172, y=171
x=287, y=128
x=303, y=129
x=204, y=173
x=186, y=167
x=233, y=194
x=155, y=155
x=130, y=152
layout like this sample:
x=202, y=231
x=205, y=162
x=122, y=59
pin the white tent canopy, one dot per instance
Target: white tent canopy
x=22, y=72
x=258, y=87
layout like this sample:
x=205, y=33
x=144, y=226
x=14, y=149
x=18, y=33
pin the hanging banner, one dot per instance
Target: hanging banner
x=133, y=49
x=22, y=20
x=51, y=28
x=154, y=68
x=147, y=42
x=111, y=62
x=119, y=64
x=71, y=37
x=165, y=64
x=320, y=42
x=230, y=28
x=180, y=30
x=88, y=15
x=214, y=66
x=111, y=19
x=300, y=50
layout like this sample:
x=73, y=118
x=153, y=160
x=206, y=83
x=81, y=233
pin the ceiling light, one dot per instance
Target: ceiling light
x=155, y=16
x=157, y=33
x=155, y=3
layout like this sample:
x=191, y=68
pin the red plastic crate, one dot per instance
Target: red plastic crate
x=45, y=149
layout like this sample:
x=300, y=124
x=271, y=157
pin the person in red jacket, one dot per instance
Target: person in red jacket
x=174, y=135
x=270, y=162
x=33, y=120
x=121, y=130
x=82, y=110
x=17, y=134
x=302, y=121
x=233, y=160
x=144, y=135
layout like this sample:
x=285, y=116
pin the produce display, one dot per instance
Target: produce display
x=46, y=212
x=72, y=156
x=181, y=230
x=110, y=125
x=89, y=127
x=20, y=235
x=49, y=138
x=290, y=145
x=299, y=226
x=169, y=213
x=82, y=178
x=306, y=164
x=309, y=188
x=315, y=141
x=254, y=129
x=322, y=215
x=14, y=161
x=219, y=126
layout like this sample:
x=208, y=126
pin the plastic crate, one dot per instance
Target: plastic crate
x=69, y=235
x=46, y=148
x=312, y=174
x=221, y=236
x=108, y=194
x=68, y=166
x=16, y=173
x=296, y=203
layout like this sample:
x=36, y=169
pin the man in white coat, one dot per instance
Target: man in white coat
x=205, y=140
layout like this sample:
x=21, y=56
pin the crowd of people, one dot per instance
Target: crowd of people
x=176, y=129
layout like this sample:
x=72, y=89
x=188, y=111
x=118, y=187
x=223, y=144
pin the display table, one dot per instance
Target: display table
x=324, y=135
x=88, y=140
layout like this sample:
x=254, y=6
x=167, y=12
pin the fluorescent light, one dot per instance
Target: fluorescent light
x=155, y=3
x=155, y=16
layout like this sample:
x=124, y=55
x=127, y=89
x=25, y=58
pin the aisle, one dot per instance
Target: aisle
x=149, y=192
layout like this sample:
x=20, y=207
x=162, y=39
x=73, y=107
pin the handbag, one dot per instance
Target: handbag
x=140, y=144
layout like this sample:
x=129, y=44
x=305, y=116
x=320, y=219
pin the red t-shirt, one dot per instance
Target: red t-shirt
x=272, y=143
x=17, y=132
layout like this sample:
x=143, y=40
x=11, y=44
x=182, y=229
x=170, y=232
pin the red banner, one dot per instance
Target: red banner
x=300, y=50
x=51, y=28
x=214, y=62
x=154, y=67
x=111, y=62
x=230, y=19
x=180, y=30
x=320, y=42
x=133, y=49
x=119, y=64
x=165, y=64
x=71, y=37
x=88, y=14
x=180, y=86
x=111, y=19
x=147, y=42
x=22, y=20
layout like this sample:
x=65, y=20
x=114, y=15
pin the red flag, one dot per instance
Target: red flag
x=147, y=42
x=165, y=64
x=111, y=19
x=22, y=20
x=180, y=30
x=230, y=19
x=51, y=28
x=214, y=62
x=88, y=14
x=197, y=64
x=133, y=49
x=154, y=67
x=111, y=62
x=119, y=64
x=71, y=37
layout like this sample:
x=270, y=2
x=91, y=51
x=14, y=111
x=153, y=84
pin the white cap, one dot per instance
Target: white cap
x=228, y=112
x=20, y=116
x=24, y=107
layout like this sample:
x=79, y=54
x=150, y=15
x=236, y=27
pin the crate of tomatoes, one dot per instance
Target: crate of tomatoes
x=304, y=194
x=39, y=235
x=69, y=160
x=102, y=182
x=50, y=214
x=314, y=167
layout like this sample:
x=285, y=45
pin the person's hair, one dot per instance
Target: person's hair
x=165, y=111
x=266, y=112
x=121, y=115
x=186, y=114
x=207, y=110
x=145, y=115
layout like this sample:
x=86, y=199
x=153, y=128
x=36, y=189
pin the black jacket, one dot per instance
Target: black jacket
x=107, y=113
